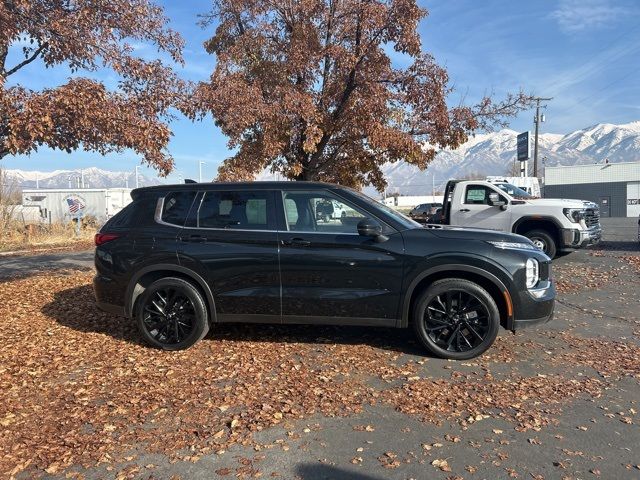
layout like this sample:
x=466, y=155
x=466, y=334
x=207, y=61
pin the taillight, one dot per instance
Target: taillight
x=102, y=238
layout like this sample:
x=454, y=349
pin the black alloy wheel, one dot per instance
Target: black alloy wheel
x=456, y=319
x=172, y=314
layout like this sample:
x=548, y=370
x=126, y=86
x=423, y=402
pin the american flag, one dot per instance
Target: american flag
x=75, y=205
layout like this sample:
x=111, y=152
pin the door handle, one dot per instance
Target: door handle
x=297, y=242
x=465, y=210
x=194, y=239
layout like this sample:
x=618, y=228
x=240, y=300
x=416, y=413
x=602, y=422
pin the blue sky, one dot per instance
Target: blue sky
x=584, y=53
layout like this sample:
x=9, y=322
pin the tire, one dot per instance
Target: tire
x=543, y=239
x=179, y=322
x=476, y=329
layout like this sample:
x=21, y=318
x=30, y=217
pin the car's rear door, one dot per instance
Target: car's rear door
x=230, y=238
x=329, y=273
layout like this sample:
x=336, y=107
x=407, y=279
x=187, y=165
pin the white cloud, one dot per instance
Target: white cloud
x=575, y=16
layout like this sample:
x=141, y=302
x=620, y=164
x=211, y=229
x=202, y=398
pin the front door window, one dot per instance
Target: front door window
x=320, y=212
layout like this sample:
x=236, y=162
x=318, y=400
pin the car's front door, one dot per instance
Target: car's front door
x=476, y=209
x=330, y=273
x=230, y=238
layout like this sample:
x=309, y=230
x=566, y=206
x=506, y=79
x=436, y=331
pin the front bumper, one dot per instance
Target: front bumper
x=534, y=307
x=520, y=323
x=577, y=238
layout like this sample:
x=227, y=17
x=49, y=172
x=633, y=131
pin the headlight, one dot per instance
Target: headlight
x=513, y=245
x=574, y=214
x=532, y=272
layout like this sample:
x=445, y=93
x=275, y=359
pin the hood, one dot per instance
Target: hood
x=469, y=233
x=561, y=202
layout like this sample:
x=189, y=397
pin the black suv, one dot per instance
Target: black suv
x=181, y=258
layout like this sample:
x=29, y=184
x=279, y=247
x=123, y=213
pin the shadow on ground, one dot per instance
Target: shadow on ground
x=617, y=246
x=75, y=308
x=328, y=472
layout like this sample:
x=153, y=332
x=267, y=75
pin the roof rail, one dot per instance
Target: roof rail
x=188, y=180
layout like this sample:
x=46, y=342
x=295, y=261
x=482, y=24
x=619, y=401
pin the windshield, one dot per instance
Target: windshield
x=515, y=192
x=397, y=216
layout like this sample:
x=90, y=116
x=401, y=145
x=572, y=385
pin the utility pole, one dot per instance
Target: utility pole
x=137, y=167
x=200, y=171
x=537, y=120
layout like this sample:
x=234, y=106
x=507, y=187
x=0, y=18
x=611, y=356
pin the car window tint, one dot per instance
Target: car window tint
x=320, y=212
x=241, y=210
x=176, y=207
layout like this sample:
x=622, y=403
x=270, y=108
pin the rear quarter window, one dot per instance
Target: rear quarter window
x=123, y=219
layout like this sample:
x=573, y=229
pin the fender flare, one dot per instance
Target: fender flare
x=172, y=267
x=453, y=267
x=536, y=218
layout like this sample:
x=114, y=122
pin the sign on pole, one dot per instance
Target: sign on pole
x=524, y=147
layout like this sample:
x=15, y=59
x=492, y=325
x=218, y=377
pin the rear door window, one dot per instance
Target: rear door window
x=233, y=210
x=175, y=207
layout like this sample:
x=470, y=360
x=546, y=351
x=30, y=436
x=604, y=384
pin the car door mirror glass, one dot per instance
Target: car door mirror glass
x=496, y=200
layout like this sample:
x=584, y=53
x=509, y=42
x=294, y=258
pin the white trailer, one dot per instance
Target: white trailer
x=65, y=204
x=411, y=200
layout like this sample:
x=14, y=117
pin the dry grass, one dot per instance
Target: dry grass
x=17, y=236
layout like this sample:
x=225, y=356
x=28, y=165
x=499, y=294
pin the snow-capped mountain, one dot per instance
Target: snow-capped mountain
x=483, y=154
x=93, y=178
x=494, y=154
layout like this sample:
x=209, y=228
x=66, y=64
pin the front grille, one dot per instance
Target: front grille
x=592, y=217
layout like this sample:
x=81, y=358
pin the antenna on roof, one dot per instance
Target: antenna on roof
x=188, y=180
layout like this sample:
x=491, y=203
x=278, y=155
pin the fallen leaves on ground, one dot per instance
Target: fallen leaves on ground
x=572, y=278
x=78, y=388
x=525, y=400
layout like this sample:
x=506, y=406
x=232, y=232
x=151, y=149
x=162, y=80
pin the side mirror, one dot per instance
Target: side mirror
x=496, y=201
x=368, y=227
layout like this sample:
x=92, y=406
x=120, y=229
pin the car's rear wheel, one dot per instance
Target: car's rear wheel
x=456, y=319
x=543, y=240
x=172, y=314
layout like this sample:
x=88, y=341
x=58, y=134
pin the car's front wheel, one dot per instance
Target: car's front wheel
x=171, y=314
x=544, y=241
x=456, y=319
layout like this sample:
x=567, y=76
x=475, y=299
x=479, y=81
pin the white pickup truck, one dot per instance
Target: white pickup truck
x=553, y=224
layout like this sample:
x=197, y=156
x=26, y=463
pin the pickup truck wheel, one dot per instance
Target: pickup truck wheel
x=543, y=241
x=171, y=314
x=456, y=319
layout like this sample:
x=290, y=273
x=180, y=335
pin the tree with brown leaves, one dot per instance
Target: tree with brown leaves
x=85, y=35
x=308, y=89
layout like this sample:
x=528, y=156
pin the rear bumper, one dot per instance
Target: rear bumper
x=108, y=295
x=576, y=238
x=111, y=308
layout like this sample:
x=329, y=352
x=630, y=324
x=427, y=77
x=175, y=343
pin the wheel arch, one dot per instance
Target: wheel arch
x=146, y=276
x=536, y=222
x=486, y=280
